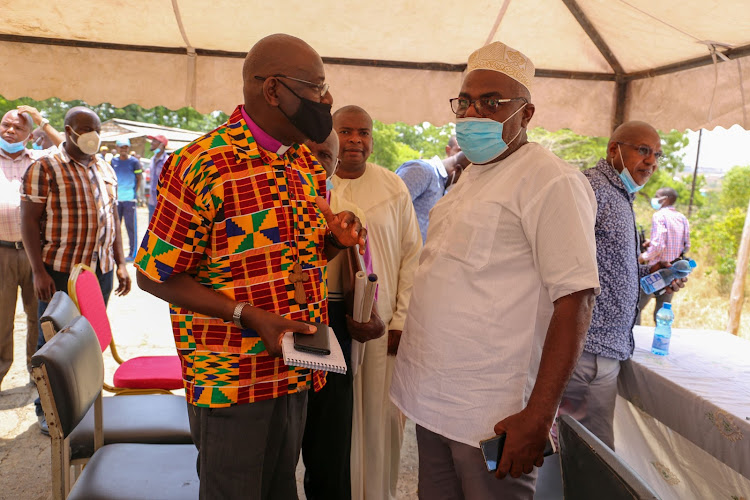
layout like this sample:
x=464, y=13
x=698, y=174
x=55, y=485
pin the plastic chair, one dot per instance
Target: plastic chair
x=591, y=470
x=139, y=375
x=140, y=418
x=69, y=373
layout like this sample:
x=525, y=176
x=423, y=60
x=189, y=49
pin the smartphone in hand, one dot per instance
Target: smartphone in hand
x=492, y=449
x=317, y=343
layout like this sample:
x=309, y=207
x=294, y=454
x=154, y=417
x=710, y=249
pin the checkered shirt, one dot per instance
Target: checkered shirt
x=224, y=215
x=11, y=174
x=670, y=236
x=70, y=221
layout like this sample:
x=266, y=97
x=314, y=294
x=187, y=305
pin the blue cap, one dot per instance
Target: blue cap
x=122, y=142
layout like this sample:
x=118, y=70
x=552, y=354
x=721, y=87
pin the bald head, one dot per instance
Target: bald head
x=669, y=194
x=78, y=113
x=351, y=109
x=279, y=72
x=327, y=152
x=632, y=131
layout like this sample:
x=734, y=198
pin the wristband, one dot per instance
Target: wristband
x=43, y=123
x=237, y=314
x=333, y=241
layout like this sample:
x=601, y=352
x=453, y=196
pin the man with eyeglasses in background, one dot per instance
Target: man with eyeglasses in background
x=633, y=153
x=502, y=296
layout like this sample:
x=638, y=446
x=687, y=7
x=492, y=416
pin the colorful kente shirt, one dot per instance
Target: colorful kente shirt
x=237, y=217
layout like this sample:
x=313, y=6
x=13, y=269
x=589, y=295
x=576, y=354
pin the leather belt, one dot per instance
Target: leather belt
x=18, y=245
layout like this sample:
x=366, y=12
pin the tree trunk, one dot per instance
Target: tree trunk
x=737, y=297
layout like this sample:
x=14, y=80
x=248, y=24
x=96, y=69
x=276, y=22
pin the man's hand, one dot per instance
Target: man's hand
x=44, y=286
x=676, y=284
x=345, y=226
x=362, y=332
x=526, y=437
x=123, y=281
x=394, y=338
x=35, y=114
x=272, y=327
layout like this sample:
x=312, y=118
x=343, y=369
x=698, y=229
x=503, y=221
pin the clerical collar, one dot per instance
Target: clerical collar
x=261, y=136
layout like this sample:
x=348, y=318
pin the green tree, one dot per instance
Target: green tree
x=735, y=188
x=578, y=150
x=388, y=151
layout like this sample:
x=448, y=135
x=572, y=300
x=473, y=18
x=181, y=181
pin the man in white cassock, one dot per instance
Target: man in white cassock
x=502, y=297
x=395, y=242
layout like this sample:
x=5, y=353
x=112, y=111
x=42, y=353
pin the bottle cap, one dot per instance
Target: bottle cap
x=692, y=264
x=667, y=305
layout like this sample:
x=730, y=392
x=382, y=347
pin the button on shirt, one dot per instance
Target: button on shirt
x=611, y=331
x=670, y=236
x=71, y=231
x=236, y=217
x=11, y=175
x=425, y=180
x=510, y=239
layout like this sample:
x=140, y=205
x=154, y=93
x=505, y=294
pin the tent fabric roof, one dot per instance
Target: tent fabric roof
x=598, y=61
x=118, y=128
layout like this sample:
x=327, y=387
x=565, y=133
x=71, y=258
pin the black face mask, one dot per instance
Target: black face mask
x=311, y=118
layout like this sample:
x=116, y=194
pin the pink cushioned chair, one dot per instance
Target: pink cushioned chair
x=139, y=375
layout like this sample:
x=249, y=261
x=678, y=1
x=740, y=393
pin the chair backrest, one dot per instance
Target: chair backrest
x=72, y=373
x=60, y=312
x=83, y=288
x=591, y=470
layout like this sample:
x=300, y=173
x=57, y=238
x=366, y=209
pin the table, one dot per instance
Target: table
x=681, y=420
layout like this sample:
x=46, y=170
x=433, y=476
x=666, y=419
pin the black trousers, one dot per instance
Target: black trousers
x=326, y=445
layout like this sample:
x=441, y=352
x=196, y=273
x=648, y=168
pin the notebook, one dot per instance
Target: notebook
x=333, y=362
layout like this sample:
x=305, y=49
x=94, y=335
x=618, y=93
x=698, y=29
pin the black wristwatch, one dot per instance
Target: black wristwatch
x=333, y=241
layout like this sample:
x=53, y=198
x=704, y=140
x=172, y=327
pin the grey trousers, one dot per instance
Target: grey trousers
x=15, y=271
x=249, y=451
x=591, y=393
x=449, y=470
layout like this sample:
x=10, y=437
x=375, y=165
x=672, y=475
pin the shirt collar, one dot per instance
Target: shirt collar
x=263, y=139
x=4, y=154
x=613, y=176
x=437, y=164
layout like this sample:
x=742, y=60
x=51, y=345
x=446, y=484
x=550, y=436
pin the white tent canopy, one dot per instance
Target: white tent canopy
x=598, y=62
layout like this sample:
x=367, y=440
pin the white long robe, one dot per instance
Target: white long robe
x=395, y=242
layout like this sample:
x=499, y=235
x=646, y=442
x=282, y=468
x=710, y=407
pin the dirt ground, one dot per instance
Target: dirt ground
x=140, y=325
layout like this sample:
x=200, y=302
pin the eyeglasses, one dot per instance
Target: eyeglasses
x=485, y=106
x=645, y=151
x=322, y=88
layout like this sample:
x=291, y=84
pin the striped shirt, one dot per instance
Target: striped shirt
x=670, y=236
x=236, y=217
x=70, y=221
x=11, y=174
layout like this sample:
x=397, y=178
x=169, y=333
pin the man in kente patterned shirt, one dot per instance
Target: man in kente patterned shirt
x=238, y=245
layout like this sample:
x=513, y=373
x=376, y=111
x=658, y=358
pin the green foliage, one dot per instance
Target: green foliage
x=388, y=149
x=187, y=118
x=735, y=190
x=721, y=234
x=578, y=150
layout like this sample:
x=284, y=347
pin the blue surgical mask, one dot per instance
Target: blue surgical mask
x=481, y=139
x=630, y=185
x=655, y=203
x=157, y=151
x=329, y=184
x=12, y=148
x=36, y=146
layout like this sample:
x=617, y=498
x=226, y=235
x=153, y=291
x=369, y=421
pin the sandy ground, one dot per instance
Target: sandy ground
x=140, y=325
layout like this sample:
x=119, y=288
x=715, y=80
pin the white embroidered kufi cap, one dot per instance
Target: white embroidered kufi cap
x=499, y=57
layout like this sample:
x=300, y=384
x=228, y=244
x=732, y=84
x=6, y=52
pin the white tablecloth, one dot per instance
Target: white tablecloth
x=683, y=424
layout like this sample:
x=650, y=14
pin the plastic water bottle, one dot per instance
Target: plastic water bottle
x=663, y=331
x=661, y=279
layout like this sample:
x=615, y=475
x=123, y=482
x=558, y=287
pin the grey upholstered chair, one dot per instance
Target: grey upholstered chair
x=69, y=372
x=591, y=470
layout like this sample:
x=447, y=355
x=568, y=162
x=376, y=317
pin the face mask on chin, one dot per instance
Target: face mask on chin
x=312, y=118
x=12, y=147
x=481, y=139
x=87, y=142
x=655, y=203
x=630, y=185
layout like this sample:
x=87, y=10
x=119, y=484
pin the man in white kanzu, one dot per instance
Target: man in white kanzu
x=502, y=297
x=395, y=241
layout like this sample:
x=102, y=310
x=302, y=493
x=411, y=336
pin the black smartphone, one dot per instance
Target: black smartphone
x=316, y=343
x=492, y=449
